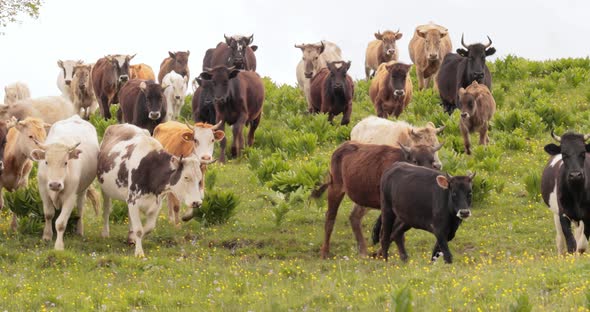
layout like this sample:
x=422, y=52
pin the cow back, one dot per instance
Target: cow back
x=141, y=71
x=169, y=134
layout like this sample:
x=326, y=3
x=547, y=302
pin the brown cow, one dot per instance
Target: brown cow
x=108, y=76
x=332, y=90
x=178, y=62
x=141, y=71
x=391, y=90
x=428, y=47
x=236, y=51
x=238, y=98
x=380, y=51
x=355, y=170
x=142, y=104
x=82, y=93
x=477, y=109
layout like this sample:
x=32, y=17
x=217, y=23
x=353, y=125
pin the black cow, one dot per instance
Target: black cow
x=142, y=104
x=565, y=190
x=202, y=104
x=426, y=199
x=460, y=70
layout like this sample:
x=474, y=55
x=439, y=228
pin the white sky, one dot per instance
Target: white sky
x=88, y=30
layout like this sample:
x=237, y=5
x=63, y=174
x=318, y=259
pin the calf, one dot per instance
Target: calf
x=142, y=104
x=178, y=62
x=391, y=90
x=332, y=91
x=477, y=109
x=355, y=170
x=202, y=103
x=174, y=86
x=83, y=95
x=565, y=190
x=109, y=74
x=141, y=71
x=133, y=167
x=67, y=166
x=15, y=92
x=382, y=50
x=65, y=76
x=426, y=199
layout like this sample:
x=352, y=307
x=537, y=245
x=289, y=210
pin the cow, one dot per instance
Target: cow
x=236, y=51
x=459, y=70
x=315, y=57
x=391, y=90
x=109, y=74
x=83, y=97
x=207, y=58
x=64, y=78
x=477, y=109
x=133, y=167
x=15, y=92
x=67, y=167
x=141, y=71
x=16, y=165
x=332, y=91
x=49, y=108
x=203, y=106
x=565, y=190
x=355, y=170
x=428, y=46
x=382, y=50
x=178, y=62
x=174, y=86
x=238, y=98
x=142, y=104
x=184, y=140
x=426, y=199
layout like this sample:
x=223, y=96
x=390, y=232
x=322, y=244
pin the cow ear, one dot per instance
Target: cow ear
x=442, y=181
x=421, y=34
x=218, y=135
x=185, y=78
x=205, y=76
x=553, y=149
x=250, y=39
x=172, y=55
x=175, y=162
x=461, y=92
x=378, y=36
x=443, y=33
x=188, y=136
x=398, y=36
x=188, y=52
x=234, y=73
x=199, y=81
x=254, y=48
x=60, y=63
x=462, y=52
x=37, y=154
x=346, y=65
x=143, y=86
x=490, y=51
x=75, y=154
x=46, y=126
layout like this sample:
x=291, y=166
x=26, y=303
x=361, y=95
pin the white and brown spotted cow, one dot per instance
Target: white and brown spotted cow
x=134, y=167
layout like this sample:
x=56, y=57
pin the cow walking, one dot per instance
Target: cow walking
x=391, y=90
x=142, y=104
x=109, y=74
x=382, y=50
x=178, y=62
x=236, y=51
x=332, y=91
x=477, y=109
x=428, y=47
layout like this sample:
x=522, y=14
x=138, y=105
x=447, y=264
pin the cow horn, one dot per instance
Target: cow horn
x=41, y=145
x=440, y=129
x=555, y=136
x=218, y=126
x=74, y=146
x=188, y=126
x=463, y=42
x=489, y=44
x=412, y=132
x=471, y=175
x=208, y=69
x=437, y=147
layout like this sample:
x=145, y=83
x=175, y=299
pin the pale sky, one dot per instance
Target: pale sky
x=88, y=30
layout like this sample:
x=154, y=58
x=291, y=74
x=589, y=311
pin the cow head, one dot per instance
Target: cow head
x=81, y=78
x=427, y=136
x=220, y=77
x=467, y=99
x=311, y=54
x=338, y=74
x=4, y=127
x=476, y=59
x=30, y=130
x=459, y=192
x=154, y=99
x=421, y=155
x=238, y=45
x=573, y=151
x=178, y=84
x=180, y=64
x=184, y=183
x=432, y=38
x=204, y=137
x=388, y=38
x=398, y=72
x=121, y=65
x=55, y=158
x=67, y=69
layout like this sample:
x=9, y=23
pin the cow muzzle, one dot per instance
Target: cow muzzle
x=399, y=92
x=433, y=57
x=177, y=97
x=464, y=115
x=56, y=186
x=576, y=176
x=154, y=115
x=478, y=76
x=190, y=213
x=68, y=82
x=123, y=78
x=308, y=75
x=463, y=214
x=390, y=52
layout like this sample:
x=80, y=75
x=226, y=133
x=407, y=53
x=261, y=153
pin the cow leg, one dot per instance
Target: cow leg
x=441, y=241
x=567, y=233
x=421, y=81
x=581, y=236
x=376, y=233
x=222, y=143
x=307, y=92
x=379, y=108
x=466, y=139
x=447, y=106
x=48, y=213
x=106, y=211
x=150, y=219
x=335, y=196
x=346, y=114
x=80, y=205
x=399, y=236
x=387, y=221
x=436, y=253
x=62, y=221
x=174, y=209
x=483, y=134
x=368, y=72
x=331, y=118
x=356, y=218
x=104, y=107
x=136, y=232
x=253, y=126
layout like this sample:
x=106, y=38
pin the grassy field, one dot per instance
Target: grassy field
x=266, y=256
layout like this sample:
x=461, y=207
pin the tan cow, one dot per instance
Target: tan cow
x=382, y=50
x=141, y=71
x=477, y=109
x=49, y=108
x=391, y=90
x=83, y=97
x=15, y=92
x=428, y=47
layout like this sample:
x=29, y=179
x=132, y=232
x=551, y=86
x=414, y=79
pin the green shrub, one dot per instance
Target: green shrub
x=269, y=166
x=402, y=300
x=218, y=207
x=308, y=175
x=101, y=124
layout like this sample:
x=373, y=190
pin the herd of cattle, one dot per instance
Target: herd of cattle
x=388, y=165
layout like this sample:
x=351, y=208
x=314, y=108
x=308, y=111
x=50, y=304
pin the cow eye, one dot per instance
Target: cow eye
x=46, y=162
x=65, y=163
x=30, y=136
x=212, y=140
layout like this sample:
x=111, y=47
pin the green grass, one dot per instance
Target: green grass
x=266, y=256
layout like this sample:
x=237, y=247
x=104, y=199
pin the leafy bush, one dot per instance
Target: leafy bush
x=218, y=206
x=307, y=176
x=101, y=124
x=269, y=166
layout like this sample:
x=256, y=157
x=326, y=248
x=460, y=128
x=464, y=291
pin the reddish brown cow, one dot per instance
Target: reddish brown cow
x=178, y=62
x=332, y=90
x=108, y=76
x=391, y=90
x=142, y=104
x=356, y=170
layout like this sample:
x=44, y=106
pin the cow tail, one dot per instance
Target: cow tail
x=92, y=195
x=320, y=190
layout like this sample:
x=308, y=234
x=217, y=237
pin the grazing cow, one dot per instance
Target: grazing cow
x=142, y=104
x=67, y=166
x=15, y=92
x=183, y=140
x=65, y=76
x=83, y=95
x=565, y=190
x=332, y=90
x=428, y=46
x=50, y=109
x=133, y=167
x=174, y=86
x=109, y=74
x=426, y=199
x=20, y=141
x=382, y=50
x=202, y=103
x=391, y=90
x=238, y=97
x=459, y=70
x=355, y=170
x=141, y=71
x=236, y=51
x=315, y=57
x=178, y=62
x=477, y=109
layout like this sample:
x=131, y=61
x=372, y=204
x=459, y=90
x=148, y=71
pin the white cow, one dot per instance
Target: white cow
x=174, y=86
x=16, y=91
x=64, y=78
x=49, y=108
x=135, y=168
x=67, y=167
